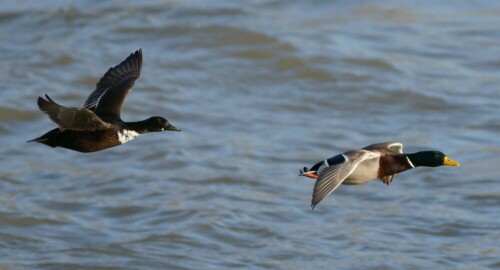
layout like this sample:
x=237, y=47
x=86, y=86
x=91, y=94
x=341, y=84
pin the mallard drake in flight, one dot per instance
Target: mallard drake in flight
x=97, y=125
x=382, y=160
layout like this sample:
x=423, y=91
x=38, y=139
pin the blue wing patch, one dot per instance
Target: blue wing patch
x=340, y=158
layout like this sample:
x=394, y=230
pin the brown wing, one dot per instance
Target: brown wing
x=71, y=118
x=112, y=89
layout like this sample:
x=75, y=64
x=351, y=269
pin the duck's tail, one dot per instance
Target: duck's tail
x=303, y=171
x=38, y=140
x=307, y=173
x=45, y=138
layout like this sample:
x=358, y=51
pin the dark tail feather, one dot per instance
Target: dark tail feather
x=46, y=138
x=38, y=140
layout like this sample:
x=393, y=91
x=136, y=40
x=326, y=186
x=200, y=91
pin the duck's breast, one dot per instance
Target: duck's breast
x=125, y=135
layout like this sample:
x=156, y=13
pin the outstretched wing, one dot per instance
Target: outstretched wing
x=112, y=89
x=331, y=177
x=71, y=118
x=396, y=147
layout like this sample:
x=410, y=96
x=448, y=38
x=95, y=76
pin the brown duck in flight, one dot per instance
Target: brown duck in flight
x=97, y=125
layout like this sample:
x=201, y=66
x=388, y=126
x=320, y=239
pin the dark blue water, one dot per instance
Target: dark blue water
x=260, y=89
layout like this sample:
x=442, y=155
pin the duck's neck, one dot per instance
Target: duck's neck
x=392, y=164
x=139, y=126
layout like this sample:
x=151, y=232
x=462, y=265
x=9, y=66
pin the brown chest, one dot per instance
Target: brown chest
x=392, y=164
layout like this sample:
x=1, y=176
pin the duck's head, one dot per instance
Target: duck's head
x=431, y=159
x=157, y=123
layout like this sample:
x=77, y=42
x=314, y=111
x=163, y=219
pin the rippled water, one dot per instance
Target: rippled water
x=260, y=89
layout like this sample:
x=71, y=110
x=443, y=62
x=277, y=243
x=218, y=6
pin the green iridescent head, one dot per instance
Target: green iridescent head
x=431, y=159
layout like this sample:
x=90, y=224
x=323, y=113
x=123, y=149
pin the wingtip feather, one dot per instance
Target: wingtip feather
x=41, y=102
x=49, y=99
x=138, y=55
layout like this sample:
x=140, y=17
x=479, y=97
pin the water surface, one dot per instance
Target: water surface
x=260, y=89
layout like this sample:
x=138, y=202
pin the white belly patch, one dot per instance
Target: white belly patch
x=127, y=135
